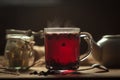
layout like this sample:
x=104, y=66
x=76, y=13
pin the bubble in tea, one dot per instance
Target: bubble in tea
x=62, y=50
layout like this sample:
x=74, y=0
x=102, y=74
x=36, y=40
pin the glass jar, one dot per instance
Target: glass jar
x=19, y=49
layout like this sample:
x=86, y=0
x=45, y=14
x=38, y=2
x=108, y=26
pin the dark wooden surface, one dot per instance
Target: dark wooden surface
x=92, y=73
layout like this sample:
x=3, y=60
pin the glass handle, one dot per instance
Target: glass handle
x=88, y=38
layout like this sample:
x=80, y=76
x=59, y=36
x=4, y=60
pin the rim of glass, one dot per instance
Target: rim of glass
x=19, y=36
x=62, y=30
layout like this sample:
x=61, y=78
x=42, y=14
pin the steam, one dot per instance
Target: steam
x=59, y=23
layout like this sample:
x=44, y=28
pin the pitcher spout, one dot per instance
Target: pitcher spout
x=96, y=51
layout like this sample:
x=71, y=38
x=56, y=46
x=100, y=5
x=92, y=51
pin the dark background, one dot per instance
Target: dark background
x=98, y=17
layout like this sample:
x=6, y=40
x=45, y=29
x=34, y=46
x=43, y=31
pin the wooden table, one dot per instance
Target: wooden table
x=92, y=73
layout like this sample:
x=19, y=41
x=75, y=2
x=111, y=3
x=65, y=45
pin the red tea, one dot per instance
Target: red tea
x=62, y=50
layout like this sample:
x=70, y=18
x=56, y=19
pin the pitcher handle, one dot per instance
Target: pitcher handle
x=88, y=38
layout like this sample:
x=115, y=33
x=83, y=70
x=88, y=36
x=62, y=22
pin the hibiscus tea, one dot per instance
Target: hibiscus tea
x=62, y=50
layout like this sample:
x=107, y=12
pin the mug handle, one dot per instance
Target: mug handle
x=88, y=38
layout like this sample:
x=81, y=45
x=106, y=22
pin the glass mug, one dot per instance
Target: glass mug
x=19, y=49
x=62, y=48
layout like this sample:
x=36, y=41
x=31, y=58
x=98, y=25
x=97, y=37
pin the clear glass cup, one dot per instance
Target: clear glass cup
x=62, y=48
